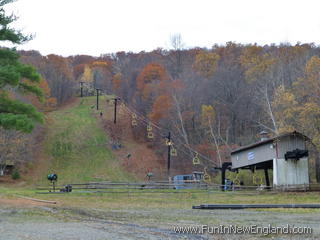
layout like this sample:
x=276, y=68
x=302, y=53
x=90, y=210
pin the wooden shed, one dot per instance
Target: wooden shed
x=286, y=154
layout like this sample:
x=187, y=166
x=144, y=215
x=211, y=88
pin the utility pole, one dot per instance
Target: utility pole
x=169, y=152
x=97, y=89
x=193, y=122
x=81, y=89
x=115, y=110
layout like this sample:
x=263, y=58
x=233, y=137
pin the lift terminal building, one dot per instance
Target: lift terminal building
x=286, y=154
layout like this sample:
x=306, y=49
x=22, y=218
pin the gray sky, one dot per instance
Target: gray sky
x=70, y=27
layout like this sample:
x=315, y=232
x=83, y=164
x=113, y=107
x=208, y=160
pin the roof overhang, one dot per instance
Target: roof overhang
x=269, y=140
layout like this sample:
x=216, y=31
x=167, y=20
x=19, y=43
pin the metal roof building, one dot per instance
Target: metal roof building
x=286, y=154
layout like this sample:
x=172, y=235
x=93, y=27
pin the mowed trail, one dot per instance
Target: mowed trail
x=76, y=147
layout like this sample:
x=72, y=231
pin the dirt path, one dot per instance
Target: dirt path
x=77, y=230
x=41, y=223
x=19, y=202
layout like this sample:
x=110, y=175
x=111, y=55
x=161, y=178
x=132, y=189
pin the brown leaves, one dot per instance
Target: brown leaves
x=153, y=78
x=160, y=108
x=116, y=81
x=14, y=146
x=61, y=64
x=49, y=102
x=151, y=73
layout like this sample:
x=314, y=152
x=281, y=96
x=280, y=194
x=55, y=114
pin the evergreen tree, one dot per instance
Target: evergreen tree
x=16, y=78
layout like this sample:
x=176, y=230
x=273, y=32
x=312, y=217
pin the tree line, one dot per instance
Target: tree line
x=212, y=99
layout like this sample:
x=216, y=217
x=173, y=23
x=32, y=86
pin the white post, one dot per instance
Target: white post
x=275, y=170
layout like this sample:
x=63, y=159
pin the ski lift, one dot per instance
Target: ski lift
x=196, y=160
x=150, y=135
x=134, y=122
x=173, y=152
x=149, y=127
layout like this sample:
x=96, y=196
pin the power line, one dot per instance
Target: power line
x=143, y=118
x=147, y=121
x=181, y=144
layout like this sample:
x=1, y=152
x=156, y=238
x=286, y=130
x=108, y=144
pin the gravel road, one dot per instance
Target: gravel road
x=55, y=223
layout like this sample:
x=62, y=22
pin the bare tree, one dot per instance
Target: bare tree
x=176, y=55
x=13, y=148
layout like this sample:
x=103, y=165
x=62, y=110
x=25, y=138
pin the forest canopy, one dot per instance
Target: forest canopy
x=212, y=99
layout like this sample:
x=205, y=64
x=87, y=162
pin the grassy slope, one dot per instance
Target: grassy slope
x=78, y=147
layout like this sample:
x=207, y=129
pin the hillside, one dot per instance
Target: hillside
x=210, y=99
x=76, y=147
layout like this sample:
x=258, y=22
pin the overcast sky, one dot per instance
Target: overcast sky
x=70, y=27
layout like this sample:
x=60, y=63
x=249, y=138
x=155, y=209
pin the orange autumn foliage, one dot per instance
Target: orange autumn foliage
x=49, y=102
x=78, y=70
x=160, y=108
x=152, y=78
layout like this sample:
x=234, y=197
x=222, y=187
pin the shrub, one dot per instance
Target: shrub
x=15, y=175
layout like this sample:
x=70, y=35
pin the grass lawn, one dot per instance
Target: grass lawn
x=172, y=199
x=77, y=147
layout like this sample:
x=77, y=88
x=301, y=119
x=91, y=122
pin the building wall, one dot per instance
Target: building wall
x=289, y=143
x=267, y=151
x=290, y=172
x=285, y=172
x=254, y=155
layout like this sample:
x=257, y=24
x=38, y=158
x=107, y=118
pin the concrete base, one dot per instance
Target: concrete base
x=290, y=172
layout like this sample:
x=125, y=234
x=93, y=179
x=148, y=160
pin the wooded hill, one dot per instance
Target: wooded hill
x=211, y=100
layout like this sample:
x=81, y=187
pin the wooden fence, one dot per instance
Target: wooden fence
x=169, y=187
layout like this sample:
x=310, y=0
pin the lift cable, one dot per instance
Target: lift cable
x=147, y=121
